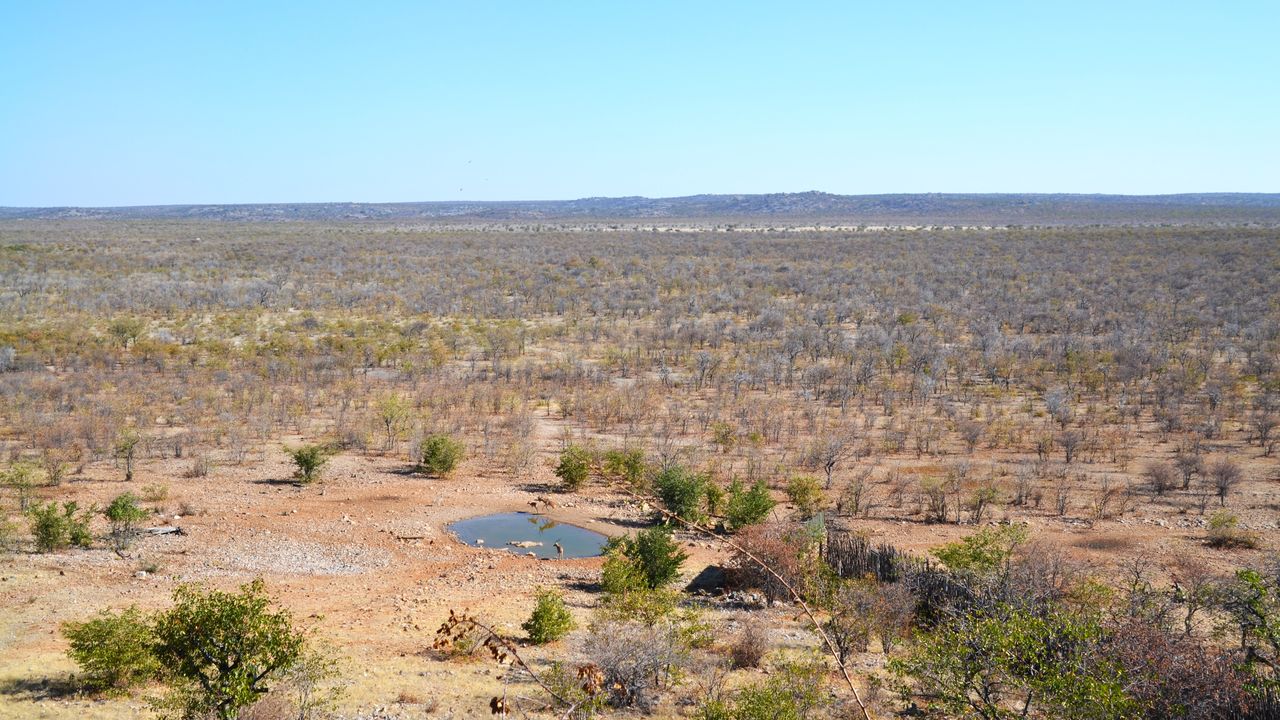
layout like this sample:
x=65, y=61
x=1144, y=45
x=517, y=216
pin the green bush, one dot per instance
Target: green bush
x=114, y=651
x=58, y=528
x=309, y=461
x=550, y=620
x=620, y=574
x=682, y=492
x=715, y=498
x=795, y=691
x=124, y=514
x=747, y=506
x=651, y=559
x=626, y=465
x=440, y=455
x=1225, y=532
x=223, y=650
x=9, y=540
x=574, y=467
x=639, y=604
x=21, y=478
x=979, y=665
x=985, y=551
x=806, y=493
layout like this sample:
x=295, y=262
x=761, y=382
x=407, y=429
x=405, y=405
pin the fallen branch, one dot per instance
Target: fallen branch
x=165, y=530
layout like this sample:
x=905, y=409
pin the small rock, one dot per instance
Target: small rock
x=141, y=574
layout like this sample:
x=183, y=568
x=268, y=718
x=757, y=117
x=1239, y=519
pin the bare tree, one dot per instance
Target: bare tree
x=1225, y=475
x=1162, y=477
x=829, y=451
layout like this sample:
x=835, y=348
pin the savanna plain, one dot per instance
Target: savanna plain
x=843, y=472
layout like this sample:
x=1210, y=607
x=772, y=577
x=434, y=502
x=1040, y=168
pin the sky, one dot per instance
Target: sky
x=136, y=103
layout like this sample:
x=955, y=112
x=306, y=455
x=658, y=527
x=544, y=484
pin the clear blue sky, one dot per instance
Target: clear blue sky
x=123, y=103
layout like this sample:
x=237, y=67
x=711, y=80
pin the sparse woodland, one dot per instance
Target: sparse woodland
x=993, y=473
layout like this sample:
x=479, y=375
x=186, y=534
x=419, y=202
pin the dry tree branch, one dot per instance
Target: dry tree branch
x=499, y=647
x=817, y=626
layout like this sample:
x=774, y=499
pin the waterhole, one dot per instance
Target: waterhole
x=524, y=533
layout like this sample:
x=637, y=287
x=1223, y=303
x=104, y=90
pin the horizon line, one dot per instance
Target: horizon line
x=1207, y=193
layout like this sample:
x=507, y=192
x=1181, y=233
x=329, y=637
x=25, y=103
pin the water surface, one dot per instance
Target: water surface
x=537, y=534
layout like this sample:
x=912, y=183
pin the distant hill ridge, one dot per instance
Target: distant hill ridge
x=916, y=208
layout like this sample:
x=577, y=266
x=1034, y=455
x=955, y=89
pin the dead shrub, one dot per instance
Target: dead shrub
x=749, y=647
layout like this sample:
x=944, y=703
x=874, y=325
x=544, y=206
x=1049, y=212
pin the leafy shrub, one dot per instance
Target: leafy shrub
x=649, y=559
x=114, y=651
x=1225, y=532
x=747, y=506
x=626, y=465
x=155, y=493
x=309, y=461
x=805, y=492
x=574, y=467
x=222, y=650
x=440, y=455
x=124, y=514
x=985, y=551
x=620, y=574
x=58, y=528
x=794, y=691
x=682, y=492
x=1043, y=659
x=8, y=536
x=126, y=450
x=21, y=478
x=550, y=620
x=639, y=604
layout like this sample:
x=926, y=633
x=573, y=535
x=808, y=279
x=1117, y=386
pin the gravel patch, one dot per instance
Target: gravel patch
x=280, y=555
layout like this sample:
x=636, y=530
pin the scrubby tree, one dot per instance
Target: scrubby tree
x=309, y=461
x=1162, y=477
x=807, y=495
x=58, y=527
x=223, y=650
x=1226, y=475
x=124, y=514
x=21, y=478
x=440, y=455
x=126, y=450
x=1014, y=663
x=393, y=414
x=747, y=506
x=550, y=620
x=626, y=465
x=682, y=491
x=649, y=559
x=574, y=467
x=828, y=452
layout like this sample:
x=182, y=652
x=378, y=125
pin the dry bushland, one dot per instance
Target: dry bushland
x=1118, y=383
